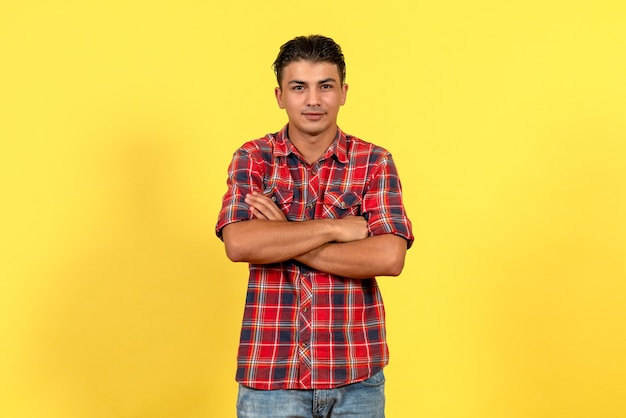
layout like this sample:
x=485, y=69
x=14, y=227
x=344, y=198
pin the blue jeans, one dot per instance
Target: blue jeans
x=364, y=399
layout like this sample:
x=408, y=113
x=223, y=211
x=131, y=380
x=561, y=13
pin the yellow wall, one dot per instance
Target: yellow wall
x=508, y=124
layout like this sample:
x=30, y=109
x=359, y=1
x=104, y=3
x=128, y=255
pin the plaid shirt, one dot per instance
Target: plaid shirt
x=304, y=329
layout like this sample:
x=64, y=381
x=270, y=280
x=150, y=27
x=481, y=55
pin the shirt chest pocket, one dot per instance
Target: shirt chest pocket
x=282, y=197
x=338, y=205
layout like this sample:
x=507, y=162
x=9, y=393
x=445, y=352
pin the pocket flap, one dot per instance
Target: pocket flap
x=342, y=200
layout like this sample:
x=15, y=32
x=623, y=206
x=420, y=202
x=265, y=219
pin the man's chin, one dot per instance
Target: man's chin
x=312, y=129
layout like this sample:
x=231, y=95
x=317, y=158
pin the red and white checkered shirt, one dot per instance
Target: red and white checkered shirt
x=304, y=329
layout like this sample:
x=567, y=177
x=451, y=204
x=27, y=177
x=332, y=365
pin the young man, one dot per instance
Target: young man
x=317, y=214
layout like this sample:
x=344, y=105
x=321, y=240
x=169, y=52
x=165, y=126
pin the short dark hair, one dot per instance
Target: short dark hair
x=314, y=48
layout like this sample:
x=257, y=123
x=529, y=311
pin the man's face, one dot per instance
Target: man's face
x=311, y=93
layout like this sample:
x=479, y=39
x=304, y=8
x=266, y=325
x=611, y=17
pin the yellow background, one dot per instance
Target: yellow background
x=507, y=120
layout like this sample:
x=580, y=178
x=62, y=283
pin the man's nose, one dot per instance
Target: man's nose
x=313, y=98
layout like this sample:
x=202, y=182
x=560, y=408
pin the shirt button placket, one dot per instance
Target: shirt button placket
x=306, y=297
x=310, y=210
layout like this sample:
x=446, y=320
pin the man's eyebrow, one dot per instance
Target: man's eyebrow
x=324, y=81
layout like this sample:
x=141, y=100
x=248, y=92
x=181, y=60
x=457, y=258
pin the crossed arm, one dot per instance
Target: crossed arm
x=337, y=246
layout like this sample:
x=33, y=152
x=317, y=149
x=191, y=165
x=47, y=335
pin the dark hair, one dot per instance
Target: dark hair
x=314, y=48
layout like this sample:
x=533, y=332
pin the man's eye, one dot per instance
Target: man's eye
x=327, y=86
x=298, y=88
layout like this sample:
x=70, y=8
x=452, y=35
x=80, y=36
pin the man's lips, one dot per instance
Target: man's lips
x=313, y=115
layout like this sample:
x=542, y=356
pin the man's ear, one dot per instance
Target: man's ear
x=344, y=94
x=279, y=97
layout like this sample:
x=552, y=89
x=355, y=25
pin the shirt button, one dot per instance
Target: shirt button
x=305, y=310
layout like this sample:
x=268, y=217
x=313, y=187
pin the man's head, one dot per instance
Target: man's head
x=312, y=48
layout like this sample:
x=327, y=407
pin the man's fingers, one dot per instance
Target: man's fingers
x=264, y=207
x=257, y=213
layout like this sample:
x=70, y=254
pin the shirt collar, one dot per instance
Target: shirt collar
x=339, y=147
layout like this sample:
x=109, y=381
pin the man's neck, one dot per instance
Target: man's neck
x=312, y=147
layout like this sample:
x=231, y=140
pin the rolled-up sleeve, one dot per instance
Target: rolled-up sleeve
x=382, y=203
x=244, y=176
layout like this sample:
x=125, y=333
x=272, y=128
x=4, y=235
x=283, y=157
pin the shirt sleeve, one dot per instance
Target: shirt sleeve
x=245, y=174
x=382, y=204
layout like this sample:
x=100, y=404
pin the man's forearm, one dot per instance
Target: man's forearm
x=381, y=255
x=261, y=241
x=270, y=238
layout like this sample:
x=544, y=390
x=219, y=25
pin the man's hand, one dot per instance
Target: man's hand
x=351, y=228
x=262, y=207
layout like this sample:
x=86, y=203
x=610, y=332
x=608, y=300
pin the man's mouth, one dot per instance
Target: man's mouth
x=314, y=115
